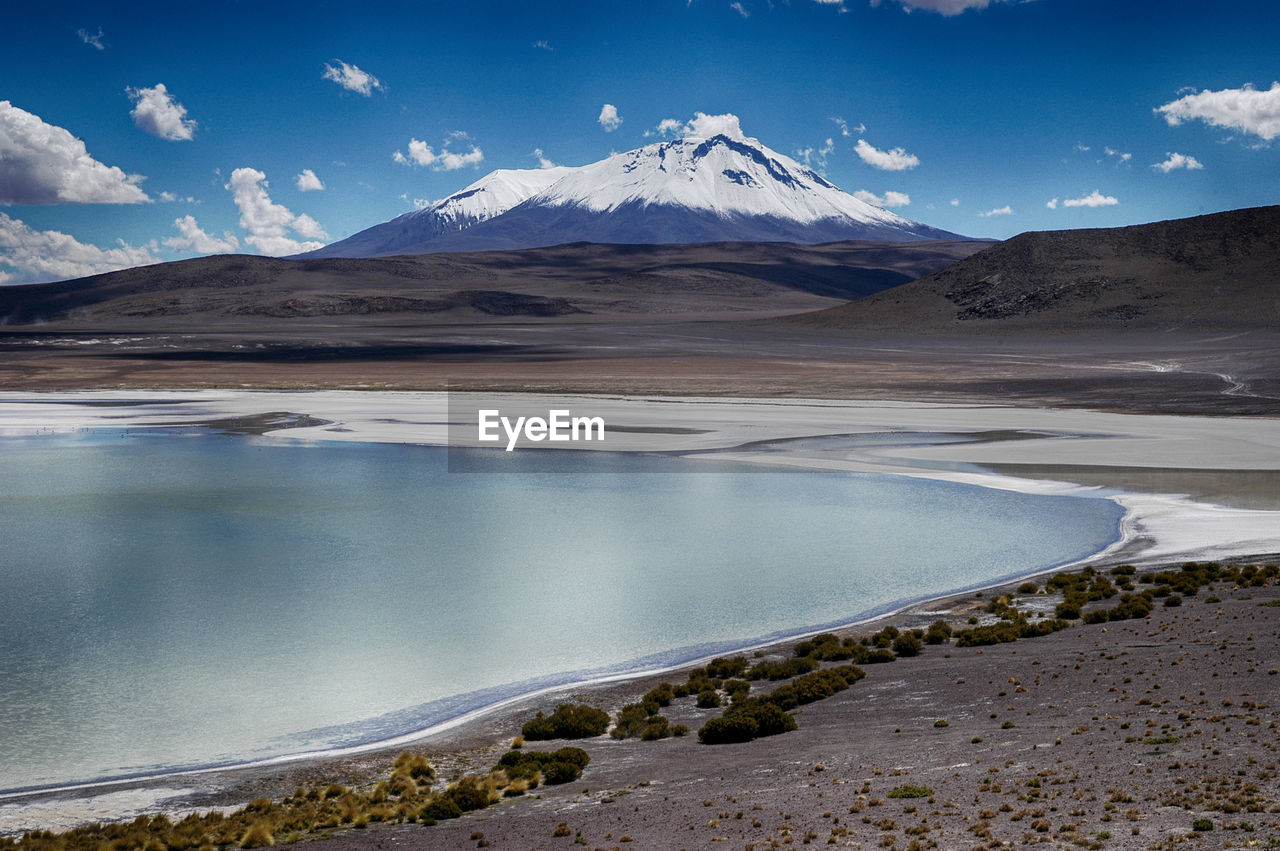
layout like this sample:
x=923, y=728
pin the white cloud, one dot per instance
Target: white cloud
x=421, y=154
x=543, y=162
x=44, y=164
x=1112, y=152
x=839, y=4
x=1006, y=210
x=942, y=7
x=818, y=158
x=705, y=126
x=894, y=160
x=1052, y=203
x=1244, y=108
x=308, y=182
x=955, y=202
x=609, y=118
x=1093, y=199
x=51, y=255
x=737, y=7
x=268, y=223
x=156, y=112
x=667, y=127
x=1176, y=161
x=845, y=129
x=352, y=78
x=195, y=239
x=172, y=197
x=542, y=44
x=92, y=39
x=890, y=198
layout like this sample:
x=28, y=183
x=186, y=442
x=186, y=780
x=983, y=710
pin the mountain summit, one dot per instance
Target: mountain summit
x=713, y=185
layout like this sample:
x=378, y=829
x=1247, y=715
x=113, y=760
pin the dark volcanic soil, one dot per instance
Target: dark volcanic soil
x=1111, y=736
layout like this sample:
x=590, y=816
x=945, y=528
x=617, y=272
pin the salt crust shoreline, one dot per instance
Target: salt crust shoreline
x=1156, y=527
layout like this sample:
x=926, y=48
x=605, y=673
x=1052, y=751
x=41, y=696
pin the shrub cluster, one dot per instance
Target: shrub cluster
x=814, y=687
x=552, y=767
x=745, y=720
x=753, y=717
x=569, y=721
x=1006, y=631
x=640, y=721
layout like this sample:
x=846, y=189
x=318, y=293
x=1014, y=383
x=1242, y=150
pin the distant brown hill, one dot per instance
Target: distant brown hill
x=582, y=280
x=1215, y=271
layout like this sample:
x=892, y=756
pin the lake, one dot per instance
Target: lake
x=178, y=600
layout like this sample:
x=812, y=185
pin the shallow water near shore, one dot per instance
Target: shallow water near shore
x=173, y=601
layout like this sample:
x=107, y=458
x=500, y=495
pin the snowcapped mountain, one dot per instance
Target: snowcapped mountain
x=716, y=185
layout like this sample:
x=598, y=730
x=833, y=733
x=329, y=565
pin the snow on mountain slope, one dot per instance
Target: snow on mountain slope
x=491, y=195
x=719, y=173
x=715, y=184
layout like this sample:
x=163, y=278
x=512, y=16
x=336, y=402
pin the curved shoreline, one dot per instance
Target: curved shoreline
x=1152, y=528
x=625, y=671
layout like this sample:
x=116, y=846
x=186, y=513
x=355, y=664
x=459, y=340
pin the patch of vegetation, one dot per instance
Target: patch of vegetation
x=939, y=632
x=569, y=721
x=783, y=670
x=910, y=792
x=552, y=767
x=749, y=719
x=263, y=823
x=639, y=720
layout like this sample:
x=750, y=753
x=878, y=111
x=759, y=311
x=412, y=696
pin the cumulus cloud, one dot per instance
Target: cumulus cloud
x=543, y=162
x=1245, y=108
x=705, y=126
x=38, y=256
x=839, y=4
x=1006, y=210
x=42, y=163
x=94, y=40
x=194, y=238
x=667, y=127
x=948, y=8
x=156, y=112
x=172, y=197
x=1052, y=203
x=955, y=202
x=1175, y=161
x=889, y=199
x=895, y=160
x=609, y=118
x=542, y=44
x=422, y=154
x=308, y=182
x=266, y=223
x=1093, y=199
x=352, y=78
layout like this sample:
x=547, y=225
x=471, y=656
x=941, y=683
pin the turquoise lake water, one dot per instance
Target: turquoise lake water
x=177, y=601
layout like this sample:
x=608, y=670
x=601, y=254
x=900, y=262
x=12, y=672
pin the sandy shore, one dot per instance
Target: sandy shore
x=849, y=735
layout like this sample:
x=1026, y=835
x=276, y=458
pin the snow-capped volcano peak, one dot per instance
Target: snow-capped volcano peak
x=714, y=184
x=492, y=195
x=717, y=173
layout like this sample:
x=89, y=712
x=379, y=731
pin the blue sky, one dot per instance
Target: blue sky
x=140, y=132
